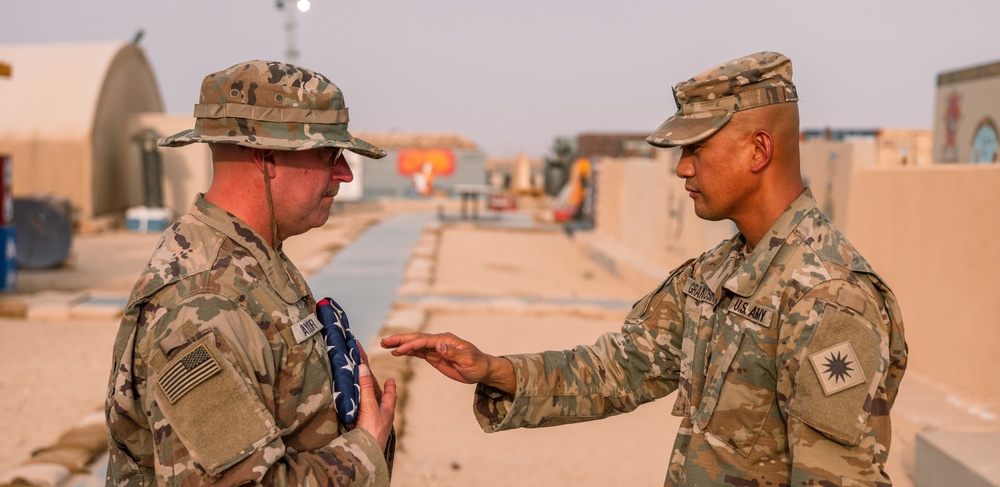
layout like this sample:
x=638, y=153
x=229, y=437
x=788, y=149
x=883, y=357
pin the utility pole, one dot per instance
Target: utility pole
x=291, y=50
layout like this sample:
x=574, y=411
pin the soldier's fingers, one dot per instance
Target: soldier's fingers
x=361, y=351
x=395, y=340
x=416, y=343
x=388, y=404
x=364, y=360
x=367, y=389
x=371, y=416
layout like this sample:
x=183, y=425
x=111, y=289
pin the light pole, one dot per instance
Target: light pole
x=291, y=49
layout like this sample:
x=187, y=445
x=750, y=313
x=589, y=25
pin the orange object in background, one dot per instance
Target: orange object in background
x=570, y=198
x=411, y=161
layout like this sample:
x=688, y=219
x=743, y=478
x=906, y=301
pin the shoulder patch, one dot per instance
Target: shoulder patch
x=188, y=371
x=837, y=368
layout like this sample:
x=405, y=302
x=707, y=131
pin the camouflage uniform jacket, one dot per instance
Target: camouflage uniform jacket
x=219, y=375
x=786, y=360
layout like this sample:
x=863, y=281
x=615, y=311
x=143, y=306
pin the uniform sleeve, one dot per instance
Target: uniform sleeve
x=213, y=401
x=619, y=372
x=833, y=357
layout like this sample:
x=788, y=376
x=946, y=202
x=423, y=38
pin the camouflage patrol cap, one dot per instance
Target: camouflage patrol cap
x=271, y=105
x=706, y=102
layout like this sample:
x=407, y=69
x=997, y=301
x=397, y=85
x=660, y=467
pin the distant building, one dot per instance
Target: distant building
x=966, y=112
x=888, y=147
x=596, y=145
x=67, y=125
x=446, y=159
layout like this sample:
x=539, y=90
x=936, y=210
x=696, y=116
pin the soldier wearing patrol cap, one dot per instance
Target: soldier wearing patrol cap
x=785, y=348
x=219, y=373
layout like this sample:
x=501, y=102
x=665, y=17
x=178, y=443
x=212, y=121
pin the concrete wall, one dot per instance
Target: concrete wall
x=930, y=231
x=641, y=206
x=932, y=234
x=905, y=147
x=827, y=168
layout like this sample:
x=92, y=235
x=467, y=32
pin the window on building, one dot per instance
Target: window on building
x=984, y=144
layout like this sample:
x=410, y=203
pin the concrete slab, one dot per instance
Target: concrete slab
x=951, y=458
x=53, y=305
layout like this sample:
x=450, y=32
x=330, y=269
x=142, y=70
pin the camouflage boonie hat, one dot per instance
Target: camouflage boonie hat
x=706, y=102
x=271, y=105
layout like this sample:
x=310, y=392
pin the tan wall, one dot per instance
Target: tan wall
x=643, y=207
x=608, y=199
x=932, y=234
x=900, y=147
x=827, y=168
x=930, y=231
x=42, y=167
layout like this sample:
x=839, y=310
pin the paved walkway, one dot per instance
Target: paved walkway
x=364, y=276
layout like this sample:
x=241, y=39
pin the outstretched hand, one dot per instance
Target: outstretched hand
x=457, y=359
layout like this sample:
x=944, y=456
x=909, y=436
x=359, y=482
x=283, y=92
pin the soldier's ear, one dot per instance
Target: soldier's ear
x=763, y=150
x=261, y=158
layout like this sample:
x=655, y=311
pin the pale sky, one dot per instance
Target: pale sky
x=512, y=75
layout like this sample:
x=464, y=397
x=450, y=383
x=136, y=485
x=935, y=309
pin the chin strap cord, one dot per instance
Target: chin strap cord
x=270, y=208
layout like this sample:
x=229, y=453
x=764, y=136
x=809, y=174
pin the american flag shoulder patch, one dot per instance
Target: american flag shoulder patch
x=190, y=370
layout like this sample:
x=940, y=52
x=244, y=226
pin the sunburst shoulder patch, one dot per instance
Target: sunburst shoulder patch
x=838, y=368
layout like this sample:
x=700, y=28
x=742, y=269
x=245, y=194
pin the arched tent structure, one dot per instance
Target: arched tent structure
x=65, y=119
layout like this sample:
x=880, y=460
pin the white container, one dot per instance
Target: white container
x=145, y=219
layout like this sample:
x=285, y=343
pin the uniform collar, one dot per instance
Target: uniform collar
x=277, y=268
x=744, y=282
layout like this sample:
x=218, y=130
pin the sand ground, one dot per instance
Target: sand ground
x=442, y=445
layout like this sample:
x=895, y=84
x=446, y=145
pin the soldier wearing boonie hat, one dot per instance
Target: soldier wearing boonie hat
x=221, y=373
x=271, y=105
x=785, y=348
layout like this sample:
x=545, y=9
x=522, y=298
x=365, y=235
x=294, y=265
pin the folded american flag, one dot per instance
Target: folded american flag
x=344, y=358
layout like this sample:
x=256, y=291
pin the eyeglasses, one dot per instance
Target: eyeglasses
x=335, y=153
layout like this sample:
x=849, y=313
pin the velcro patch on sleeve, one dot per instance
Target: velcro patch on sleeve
x=846, y=361
x=187, y=371
x=837, y=368
x=851, y=299
x=208, y=403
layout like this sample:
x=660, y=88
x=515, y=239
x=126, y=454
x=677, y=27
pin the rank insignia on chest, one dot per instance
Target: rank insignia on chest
x=837, y=368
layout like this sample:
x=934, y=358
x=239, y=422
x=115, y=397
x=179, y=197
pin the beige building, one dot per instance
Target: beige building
x=966, y=114
x=67, y=113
